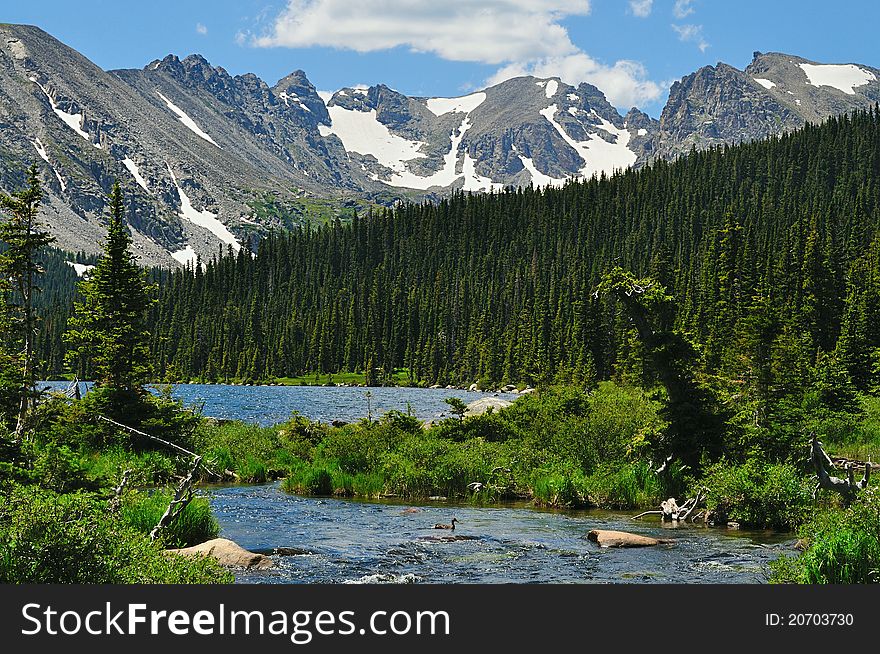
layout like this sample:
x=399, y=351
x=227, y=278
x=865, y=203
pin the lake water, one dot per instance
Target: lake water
x=269, y=405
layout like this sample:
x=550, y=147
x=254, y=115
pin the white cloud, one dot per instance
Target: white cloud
x=692, y=33
x=490, y=32
x=625, y=84
x=682, y=8
x=201, y=29
x=641, y=8
x=524, y=37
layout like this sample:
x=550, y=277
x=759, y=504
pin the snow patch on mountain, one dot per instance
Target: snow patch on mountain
x=538, y=178
x=41, y=150
x=598, y=154
x=73, y=121
x=766, y=83
x=844, y=77
x=465, y=104
x=361, y=132
x=186, y=120
x=551, y=88
x=135, y=172
x=80, y=268
x=203, y=218
x=186, y=255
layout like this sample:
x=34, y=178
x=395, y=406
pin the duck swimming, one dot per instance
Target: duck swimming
x=451, y=525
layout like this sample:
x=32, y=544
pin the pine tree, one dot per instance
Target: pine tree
x=18, y=268
x=107, y=333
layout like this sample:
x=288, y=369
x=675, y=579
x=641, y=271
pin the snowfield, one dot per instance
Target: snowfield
x=361, y=132
x=465, y=104
x=41, y=150
x=73, y=121
x=766, y=83
x=186, y=120
x=539, y=178
x=186, y=255
x=80, y=268
x=844, y=77
x=203, y=218
x=598, y=154
x=135, y=172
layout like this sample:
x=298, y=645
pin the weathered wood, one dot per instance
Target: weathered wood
x=848, y=487
x=119, y=490
x=182, y=497
x=609, y=538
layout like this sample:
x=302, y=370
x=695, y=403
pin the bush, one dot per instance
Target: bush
x=843, y=547
x=48, y=538
x=195, y=525
x=758, y=494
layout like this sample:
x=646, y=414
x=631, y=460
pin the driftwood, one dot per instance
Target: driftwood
x=848, y=487
x=119, y=490
x=182, y=497
x=670, y=511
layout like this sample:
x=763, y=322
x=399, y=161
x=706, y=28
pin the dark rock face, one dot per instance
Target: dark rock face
x=773, y=95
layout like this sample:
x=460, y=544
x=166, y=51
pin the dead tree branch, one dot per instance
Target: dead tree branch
x=182, y=497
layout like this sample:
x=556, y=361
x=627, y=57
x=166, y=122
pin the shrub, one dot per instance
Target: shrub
x=843, y=547
x=758, y=494
x=49, y=538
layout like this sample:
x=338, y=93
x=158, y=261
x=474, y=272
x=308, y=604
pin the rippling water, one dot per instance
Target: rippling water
x=269, y=405
x=347, y=541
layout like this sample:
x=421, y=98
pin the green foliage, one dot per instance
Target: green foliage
x=194, y=525
x=107, y=334
x=842, y=547
x=22, y=239
x=758, y=494
x=49, y=538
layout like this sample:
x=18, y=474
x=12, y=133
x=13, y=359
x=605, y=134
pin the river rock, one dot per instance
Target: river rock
x=479, y=407
x=608, y=538
x=227, y=553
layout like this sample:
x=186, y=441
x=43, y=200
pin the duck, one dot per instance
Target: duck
x=451, y=525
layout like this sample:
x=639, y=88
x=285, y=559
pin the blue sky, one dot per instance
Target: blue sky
x=631, y=49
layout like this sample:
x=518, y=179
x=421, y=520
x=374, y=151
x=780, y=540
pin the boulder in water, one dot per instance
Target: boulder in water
x=609, y=538
x=227, y=553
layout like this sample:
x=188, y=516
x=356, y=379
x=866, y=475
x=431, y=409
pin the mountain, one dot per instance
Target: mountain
x=775, y=94
x=210, y=160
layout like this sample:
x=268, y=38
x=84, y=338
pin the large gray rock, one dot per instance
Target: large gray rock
x=227, y=553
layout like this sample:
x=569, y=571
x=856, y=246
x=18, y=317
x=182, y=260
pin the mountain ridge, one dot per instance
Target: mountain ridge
x=209, y=160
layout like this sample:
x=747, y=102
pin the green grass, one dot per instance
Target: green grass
x=195, y=525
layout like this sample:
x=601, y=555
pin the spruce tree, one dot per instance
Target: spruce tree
x=107, y=334
x=18, y=268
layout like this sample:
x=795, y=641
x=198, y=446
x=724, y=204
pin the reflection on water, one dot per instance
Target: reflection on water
x=346, y=541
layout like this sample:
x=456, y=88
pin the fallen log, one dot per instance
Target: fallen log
x=227, y=553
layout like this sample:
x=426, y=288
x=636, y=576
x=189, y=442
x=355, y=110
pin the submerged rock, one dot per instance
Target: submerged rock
x=227, y=553
x=608, y=538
